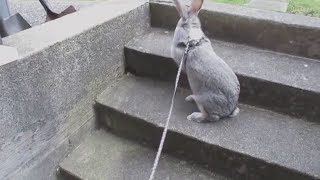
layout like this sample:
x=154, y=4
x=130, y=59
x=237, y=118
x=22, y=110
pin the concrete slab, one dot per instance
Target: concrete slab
x=284, y=83
x=279, y=0
x=257, y=144
x=7, y=54
x=273, y=5
x=104, y=156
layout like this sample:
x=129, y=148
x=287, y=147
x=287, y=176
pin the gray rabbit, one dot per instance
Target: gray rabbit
x=214, y=85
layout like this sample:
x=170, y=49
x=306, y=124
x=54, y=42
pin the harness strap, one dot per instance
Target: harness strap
x=164, y=134
x=191, y=44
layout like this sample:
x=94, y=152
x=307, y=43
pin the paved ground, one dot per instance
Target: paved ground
x=275, y=5
x=33, y=12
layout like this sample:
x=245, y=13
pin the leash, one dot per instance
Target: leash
x=164, y=134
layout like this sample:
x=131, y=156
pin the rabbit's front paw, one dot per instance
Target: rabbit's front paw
x=190, y=98
x=197, y=117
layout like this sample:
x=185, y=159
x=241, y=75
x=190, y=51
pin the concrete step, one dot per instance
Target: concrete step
x=257, y=144
x=273, y=5
x=104, y=156
x=281, y=32
x=280, y=82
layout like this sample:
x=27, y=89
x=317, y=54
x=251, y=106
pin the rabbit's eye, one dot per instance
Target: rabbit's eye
x=181, y=44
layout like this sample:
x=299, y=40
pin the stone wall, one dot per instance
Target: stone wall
x=47, y=96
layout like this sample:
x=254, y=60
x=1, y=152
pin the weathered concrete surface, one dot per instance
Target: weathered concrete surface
x=34, y=13
x=288, y=33
x=104, y=156
x=47, y=95
x=47, y=161
x=274, y=5
x=268, y=79
x=7, y=54
x=257, y=144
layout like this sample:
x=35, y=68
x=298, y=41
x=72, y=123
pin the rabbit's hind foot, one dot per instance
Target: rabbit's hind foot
x=234, y=113
x=214, y=118
x=197, y=117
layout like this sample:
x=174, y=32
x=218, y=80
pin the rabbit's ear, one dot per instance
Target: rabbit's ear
x=181, y=8
x=195, y=7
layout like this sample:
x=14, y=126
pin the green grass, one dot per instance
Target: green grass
x=236, y=2
x=305, y=7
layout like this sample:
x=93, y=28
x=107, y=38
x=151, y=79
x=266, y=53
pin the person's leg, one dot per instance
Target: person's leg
x=4, y=9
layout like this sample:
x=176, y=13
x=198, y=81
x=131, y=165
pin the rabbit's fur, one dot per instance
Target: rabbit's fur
x=214, y=85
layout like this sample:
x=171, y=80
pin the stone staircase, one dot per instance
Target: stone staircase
x=92, y=99
x=275, y=136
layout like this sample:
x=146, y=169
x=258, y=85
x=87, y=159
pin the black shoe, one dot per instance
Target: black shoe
x=51, y=15
x=12, y=25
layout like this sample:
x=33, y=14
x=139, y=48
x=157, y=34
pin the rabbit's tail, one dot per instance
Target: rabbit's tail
x=235, y=113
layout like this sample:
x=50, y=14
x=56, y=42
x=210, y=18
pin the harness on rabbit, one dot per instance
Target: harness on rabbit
x=194, y=43
x=191, y=44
